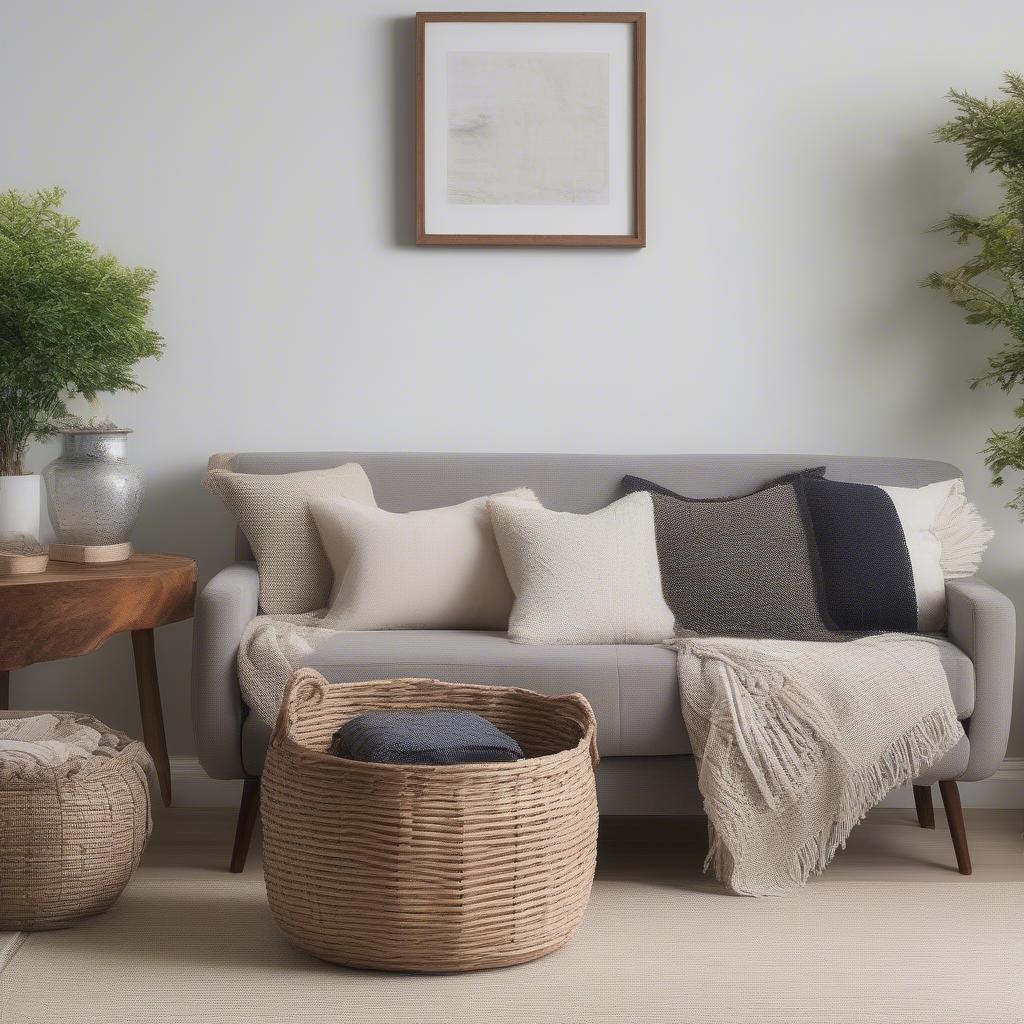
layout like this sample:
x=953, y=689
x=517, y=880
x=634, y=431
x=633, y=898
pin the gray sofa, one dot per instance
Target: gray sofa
x=647, y=765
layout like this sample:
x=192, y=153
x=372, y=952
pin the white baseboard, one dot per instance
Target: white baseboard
x=192, y=787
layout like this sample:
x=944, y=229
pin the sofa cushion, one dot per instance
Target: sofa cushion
x=438, y=568
x=738, y=566
x=632, y=688
x=582, y=578
x=273, y=513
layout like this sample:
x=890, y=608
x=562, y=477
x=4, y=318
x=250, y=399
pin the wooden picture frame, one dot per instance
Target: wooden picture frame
x=628, y=204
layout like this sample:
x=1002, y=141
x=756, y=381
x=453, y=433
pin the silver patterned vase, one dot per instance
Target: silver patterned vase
x=92, y=492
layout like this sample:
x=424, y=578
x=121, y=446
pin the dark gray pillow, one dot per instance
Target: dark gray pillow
x=738, y=566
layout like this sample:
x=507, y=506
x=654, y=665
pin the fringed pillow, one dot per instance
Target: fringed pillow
x=885, y=553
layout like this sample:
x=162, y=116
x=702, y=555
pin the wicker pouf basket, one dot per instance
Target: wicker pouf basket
x=422, y=867
x=71, y=835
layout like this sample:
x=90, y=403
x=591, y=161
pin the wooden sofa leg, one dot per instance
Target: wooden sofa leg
x=925, y=808
x=955, y=817
x=248, y=811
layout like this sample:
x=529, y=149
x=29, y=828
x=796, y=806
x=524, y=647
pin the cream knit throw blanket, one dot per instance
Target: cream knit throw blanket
x=46, y=741
x=795, y=741
x=272, y=648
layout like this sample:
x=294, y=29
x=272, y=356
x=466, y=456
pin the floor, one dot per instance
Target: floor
x=890, y=933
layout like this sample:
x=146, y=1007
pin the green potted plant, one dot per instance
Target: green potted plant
x=72, y=321
x=989, y=286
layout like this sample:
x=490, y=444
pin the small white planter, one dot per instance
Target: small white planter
x=20, y=506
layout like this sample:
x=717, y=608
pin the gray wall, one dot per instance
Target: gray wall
x=259, y=155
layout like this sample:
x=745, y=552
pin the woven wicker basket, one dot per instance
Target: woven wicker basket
x=421, y=867
x=70, y=837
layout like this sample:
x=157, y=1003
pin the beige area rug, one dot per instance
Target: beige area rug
x=890, y=933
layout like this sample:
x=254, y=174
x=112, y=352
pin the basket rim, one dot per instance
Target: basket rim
x=585, y=745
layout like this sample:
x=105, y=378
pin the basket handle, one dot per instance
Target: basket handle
x=585, y=716
x=306, y=686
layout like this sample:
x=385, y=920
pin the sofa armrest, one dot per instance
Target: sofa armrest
x=983, y=624
x=224, y=608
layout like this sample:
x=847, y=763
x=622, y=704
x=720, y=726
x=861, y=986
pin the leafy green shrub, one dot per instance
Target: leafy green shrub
x=990, y=285
x=72, y=320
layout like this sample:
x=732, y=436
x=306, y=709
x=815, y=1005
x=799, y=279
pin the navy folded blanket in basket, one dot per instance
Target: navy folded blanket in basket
x=423, y=737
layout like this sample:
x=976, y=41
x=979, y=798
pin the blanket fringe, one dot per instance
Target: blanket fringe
x=904, y=761
x=776, y=723
x=963, y=534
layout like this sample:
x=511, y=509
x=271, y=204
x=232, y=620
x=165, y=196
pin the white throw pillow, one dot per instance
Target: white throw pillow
x=582, y=579
x=272, y=510
x=434, y=569
x=946, y=538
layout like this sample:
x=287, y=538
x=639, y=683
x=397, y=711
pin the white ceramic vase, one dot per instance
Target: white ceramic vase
x=20, y=506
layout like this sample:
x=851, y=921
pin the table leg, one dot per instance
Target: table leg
x=5, y=690
x=149, y=705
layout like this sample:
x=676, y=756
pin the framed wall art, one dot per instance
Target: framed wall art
x=530, y=129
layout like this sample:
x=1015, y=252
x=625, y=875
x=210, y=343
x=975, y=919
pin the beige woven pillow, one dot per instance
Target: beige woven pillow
x=434, y=569
x=582, y=579
x=272, y=511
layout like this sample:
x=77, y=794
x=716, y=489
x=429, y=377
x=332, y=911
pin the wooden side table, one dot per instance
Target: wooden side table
x=73, y=608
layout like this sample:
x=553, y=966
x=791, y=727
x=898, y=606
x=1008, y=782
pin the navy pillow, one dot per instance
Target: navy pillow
x=436, y=736
x=867, y=580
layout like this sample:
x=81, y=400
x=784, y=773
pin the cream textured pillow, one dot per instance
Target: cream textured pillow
x=272, y=511
x=434, y=569
x=582, y=579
